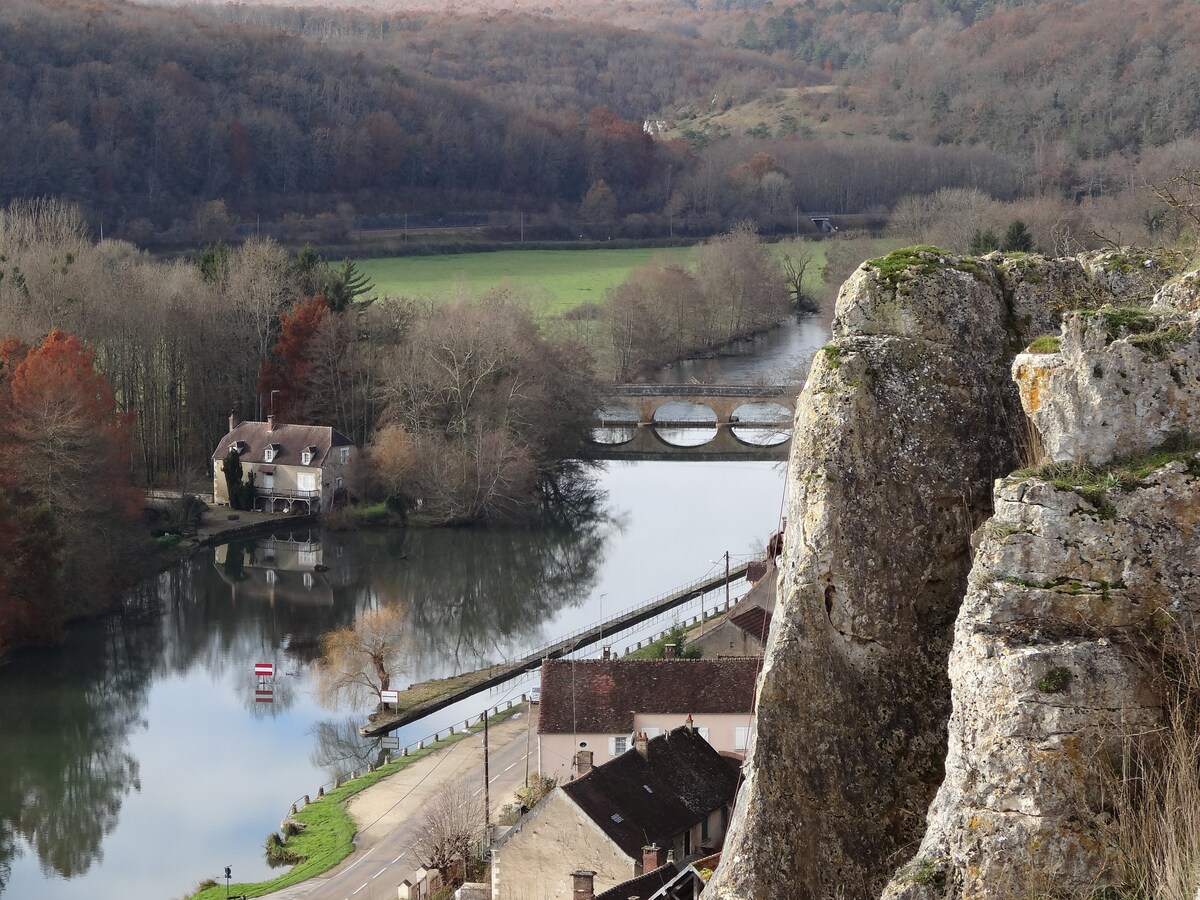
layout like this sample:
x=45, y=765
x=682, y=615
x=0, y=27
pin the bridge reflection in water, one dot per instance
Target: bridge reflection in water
x=702, y=422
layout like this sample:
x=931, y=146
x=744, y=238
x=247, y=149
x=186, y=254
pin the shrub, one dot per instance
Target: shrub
x=1056, y=681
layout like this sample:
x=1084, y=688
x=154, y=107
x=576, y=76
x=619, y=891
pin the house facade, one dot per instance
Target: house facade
x=591, y=709
x=667, y=797
x=297, y=468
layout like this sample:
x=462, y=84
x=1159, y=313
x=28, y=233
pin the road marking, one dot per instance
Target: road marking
x=357, y=861
x=513, y=766
x=360, y=887
x=380, y=872
x=398, y=858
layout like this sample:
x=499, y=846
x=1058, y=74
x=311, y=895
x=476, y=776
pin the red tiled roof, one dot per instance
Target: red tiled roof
x=602, y=695
x=755, y=621
x=638, y=800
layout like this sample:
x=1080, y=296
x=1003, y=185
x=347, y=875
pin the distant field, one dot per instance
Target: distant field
x=555, y=280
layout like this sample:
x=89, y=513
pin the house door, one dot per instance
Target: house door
x=268, y=482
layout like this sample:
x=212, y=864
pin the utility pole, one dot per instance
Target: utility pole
x=528, y=720
x=727, y=579
x=487, y=788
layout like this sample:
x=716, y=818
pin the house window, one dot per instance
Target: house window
x=306, y=481
x=618, y=745
x=306, y=458
x=345, y=455
x=741, y=737
x=269, y=454
x=703, y=732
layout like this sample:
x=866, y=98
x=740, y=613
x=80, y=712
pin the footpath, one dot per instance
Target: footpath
x=389, y=813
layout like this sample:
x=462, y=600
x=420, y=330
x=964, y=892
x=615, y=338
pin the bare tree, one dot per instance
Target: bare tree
x=795, y=262
x=453, y=825
x=358, y=662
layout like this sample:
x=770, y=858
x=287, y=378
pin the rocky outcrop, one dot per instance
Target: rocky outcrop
x=907, y=418
x=1077, y=575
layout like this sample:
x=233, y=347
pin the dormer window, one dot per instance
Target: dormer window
x=269, y=453
x=307, y=455
x=237, y=447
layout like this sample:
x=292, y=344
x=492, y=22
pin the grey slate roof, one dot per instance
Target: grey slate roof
x=638, y=800
x=600, y=696
x=291, y=441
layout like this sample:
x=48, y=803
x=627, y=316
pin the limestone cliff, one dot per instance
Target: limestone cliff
x=1076, y=576
x=906, y=420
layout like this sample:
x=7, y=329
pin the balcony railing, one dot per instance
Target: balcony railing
x=287, y=493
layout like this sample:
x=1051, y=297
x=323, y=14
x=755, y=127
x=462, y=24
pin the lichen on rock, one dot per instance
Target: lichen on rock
x=905, y=422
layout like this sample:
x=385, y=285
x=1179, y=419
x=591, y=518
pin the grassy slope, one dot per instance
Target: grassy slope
x=326, y=839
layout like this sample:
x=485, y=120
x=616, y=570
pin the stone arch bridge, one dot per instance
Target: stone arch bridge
x=639, y=436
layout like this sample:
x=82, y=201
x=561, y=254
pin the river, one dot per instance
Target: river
x=138, y=759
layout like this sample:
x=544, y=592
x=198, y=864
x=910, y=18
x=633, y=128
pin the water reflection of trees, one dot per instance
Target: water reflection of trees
x=67, y=715
x=340, y=749
x=480, y=595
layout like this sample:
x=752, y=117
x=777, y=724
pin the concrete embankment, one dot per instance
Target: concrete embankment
x=389, y=720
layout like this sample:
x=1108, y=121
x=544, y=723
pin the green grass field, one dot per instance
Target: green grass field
x=553, y=280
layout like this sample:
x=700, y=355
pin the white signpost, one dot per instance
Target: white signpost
x=386, y=697
x=391, y=742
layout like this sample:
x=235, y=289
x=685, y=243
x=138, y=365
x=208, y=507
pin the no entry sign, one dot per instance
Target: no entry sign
x=264, y=670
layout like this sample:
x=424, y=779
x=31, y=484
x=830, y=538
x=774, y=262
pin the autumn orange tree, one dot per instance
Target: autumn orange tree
x=288, y=372
x=66, y=447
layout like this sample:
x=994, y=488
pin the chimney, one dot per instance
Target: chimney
x=271, y=423
x=653, y=858
x=606, y=652
x=232, y=420
x=689, y=724
x=583, y=887
x=583, y=762
x=641, y=743
x=670, y=650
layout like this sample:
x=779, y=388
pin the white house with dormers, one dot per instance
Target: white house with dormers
x=297, y=468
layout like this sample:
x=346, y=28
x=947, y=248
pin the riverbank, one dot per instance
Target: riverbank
x=361, y=811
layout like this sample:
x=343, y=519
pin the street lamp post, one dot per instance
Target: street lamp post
x=228, y=873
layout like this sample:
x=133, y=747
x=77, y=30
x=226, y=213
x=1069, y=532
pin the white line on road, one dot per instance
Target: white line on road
x=398, y=858
x=513, y=766
x=360, y=887
x=380, y=872
x=357, y=861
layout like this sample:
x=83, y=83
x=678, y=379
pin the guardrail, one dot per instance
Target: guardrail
x=399, y=753
x=715, y=581
x=698, y=390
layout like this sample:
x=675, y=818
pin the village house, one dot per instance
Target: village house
x=743, y=630
x=297, y=468
x=667, y=798
x=591, y=708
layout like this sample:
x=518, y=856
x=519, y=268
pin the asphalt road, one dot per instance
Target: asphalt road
x=389, y=813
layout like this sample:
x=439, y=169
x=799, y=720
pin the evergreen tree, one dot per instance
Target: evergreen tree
x=1017, y=238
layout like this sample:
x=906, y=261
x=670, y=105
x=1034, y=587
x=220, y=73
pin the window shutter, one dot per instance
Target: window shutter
x=612, y=746
x=741, y=737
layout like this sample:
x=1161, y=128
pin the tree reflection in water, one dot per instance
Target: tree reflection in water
x=65, y=756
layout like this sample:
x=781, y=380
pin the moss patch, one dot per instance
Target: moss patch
x=833, y=355
x=1047, y=343
x=908, y=262
x=1094, y=483
x=1056, y=681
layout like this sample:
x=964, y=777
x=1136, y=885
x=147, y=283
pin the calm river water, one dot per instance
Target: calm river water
x=137, y=759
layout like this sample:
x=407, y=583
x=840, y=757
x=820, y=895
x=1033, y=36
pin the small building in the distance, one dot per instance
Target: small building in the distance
x=591, y=708
x=297, y=468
